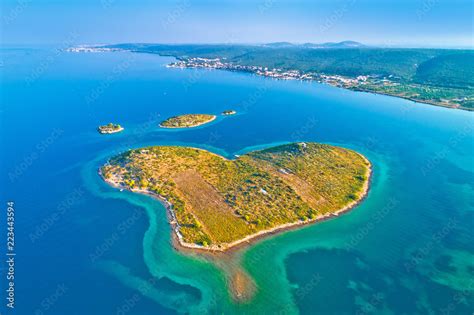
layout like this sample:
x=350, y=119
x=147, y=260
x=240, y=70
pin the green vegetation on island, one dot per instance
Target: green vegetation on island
x=187, y=121
x=110, y=128
x=216, y=203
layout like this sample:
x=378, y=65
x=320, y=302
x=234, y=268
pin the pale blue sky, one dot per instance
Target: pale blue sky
x=414, y=23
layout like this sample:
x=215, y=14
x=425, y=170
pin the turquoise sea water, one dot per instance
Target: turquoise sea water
x=85, y=248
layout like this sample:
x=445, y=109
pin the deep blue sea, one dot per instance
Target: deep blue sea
x=83, y=247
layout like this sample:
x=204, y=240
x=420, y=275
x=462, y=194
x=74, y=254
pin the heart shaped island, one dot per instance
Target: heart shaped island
x=215, y=203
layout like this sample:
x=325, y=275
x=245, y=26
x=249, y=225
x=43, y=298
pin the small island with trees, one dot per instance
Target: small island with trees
x=187, y=121
x=110, y=128
x=229, y=112
x=215, y=203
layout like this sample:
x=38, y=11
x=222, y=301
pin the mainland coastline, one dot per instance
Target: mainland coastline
x=424, y=91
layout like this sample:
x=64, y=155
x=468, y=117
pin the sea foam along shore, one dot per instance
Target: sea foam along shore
x=179, y=242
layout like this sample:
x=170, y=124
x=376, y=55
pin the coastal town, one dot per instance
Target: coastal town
x=217, y=63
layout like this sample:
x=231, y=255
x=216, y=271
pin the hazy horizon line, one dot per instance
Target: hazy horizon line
x=367, y=46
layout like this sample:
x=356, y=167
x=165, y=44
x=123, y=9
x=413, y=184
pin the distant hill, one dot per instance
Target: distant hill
x=279, y=44
x=339, y=45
